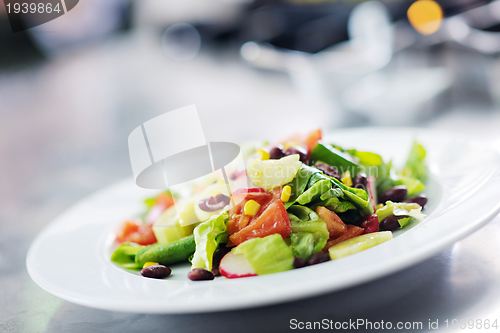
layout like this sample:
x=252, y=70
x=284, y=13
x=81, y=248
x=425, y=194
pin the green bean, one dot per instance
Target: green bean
x=167, y=254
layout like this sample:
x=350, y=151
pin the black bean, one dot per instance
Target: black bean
x=156, y=271
x=390, y=223
x=216, y=271
x=200, y=274
x=214, y=203
x=299, y=262
x=318, y=258
x=360, y=181
x=276, y=153
x=420, y=199
x=218, y=255
x=395, y=194
x=297, y=150
x=328, y=170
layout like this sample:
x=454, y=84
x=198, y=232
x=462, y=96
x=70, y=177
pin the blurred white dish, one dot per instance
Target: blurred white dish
x=70, y=258
x=398, y=98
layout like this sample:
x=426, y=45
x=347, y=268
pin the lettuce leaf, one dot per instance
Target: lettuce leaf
x=314, y=192
x=413, y=175
x=335, y=204
x=334, y=157
x=208, y=235
x=357, y=196
x=415, y=166
x=371, y=164
x=299, y=183
x=124, y=256
x=267, y=255
x=413, y=185
x=412, y=210
x=309, y=232
x=332, y=193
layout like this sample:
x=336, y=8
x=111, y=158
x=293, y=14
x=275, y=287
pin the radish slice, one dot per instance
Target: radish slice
x=249, y=190
x=235, y=266
x=372, y=191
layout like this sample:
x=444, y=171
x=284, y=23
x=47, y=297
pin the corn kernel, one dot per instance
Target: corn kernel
x=262, y=154
x=149, y=263
x=251, y=208
x=285, y=194
x=380, y=205
x=346, y=178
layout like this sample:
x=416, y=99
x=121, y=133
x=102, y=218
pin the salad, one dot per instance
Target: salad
x=296, y=203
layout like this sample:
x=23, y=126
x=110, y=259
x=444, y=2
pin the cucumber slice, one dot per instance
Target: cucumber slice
x=170, y=227
x=358, y=244
x=269, y=174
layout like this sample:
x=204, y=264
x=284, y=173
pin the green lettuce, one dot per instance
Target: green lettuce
x=332, y=193
x=299, y=183
x=208, y=235
x=371, y=164
x=335, y=204
x=315, y=192
x=357, y=196
x=415, y=166
x=267, y=255
x=413, y=175
x=334, y=157
x=124, y=256
x=309, y=231
x=412, y=210
x=413, y=185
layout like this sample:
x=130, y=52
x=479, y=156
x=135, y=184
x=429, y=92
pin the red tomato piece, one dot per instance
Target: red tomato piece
x=238, y=220
x=334, y=224
x=164, y=199
x=271, y=219
x=135, y=232
x=125, y=229
x=312, y=139
x=352, y=231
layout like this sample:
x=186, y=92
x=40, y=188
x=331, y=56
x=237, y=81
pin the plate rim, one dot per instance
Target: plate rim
x=396, y=264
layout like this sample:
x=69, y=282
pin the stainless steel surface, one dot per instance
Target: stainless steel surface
x=63, y=135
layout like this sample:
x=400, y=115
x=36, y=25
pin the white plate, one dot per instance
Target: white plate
x=70, y=258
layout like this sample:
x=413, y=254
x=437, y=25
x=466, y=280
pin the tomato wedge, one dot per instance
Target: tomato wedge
x=312, y=139
x=334, y=224
x=271, y=218
x=238, y=220
x=352, y=231
x=136, y=232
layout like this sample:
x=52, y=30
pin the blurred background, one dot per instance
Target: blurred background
x=71, y=90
